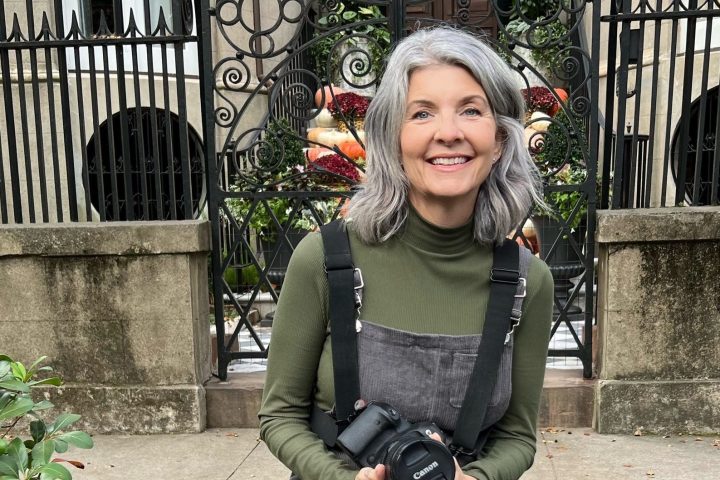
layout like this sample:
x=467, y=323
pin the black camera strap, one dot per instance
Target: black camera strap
x=504, y=281
x=341, y=280
x=500, y=319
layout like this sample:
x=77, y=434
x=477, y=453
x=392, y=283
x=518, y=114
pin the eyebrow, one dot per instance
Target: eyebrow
x=463, y=101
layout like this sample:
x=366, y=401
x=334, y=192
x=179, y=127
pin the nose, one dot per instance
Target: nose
x=448, y=130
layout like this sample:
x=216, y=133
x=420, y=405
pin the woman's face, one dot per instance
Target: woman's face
x=448, y=140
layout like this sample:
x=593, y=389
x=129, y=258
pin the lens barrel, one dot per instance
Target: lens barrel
x=417, y=457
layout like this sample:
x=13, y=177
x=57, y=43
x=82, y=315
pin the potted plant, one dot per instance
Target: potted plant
x=349, y=110
x=32, y=458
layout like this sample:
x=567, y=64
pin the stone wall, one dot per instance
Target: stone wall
x=659, y=320
x=121, y=311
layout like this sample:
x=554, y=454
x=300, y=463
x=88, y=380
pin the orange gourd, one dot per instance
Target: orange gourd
x=328, y=96
x=352, y=149
x=563, y=96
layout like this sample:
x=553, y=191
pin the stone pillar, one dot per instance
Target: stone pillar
x=121, y=311
x=659, y=320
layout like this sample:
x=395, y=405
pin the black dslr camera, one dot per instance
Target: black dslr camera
x=378, y=434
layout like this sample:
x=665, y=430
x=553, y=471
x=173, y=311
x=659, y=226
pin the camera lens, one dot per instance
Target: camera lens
x=416, y=457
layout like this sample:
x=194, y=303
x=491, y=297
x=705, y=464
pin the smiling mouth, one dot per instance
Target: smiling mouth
x=449, y=161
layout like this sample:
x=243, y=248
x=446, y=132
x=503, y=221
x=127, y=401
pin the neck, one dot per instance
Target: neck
x=445, y=215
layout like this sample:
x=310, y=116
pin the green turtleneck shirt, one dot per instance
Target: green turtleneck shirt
x=427, y=280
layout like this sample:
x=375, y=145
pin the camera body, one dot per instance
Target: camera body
x=379, y=435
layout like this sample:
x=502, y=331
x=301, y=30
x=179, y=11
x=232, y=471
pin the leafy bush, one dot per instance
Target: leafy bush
x=31, y=459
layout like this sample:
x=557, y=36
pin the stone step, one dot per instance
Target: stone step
x=567, y=400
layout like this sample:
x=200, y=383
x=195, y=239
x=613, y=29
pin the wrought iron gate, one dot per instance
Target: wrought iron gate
x=260, y=78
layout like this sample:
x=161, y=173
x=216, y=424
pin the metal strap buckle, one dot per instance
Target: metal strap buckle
x=514, y=322
x=523, y=288
x=461, y=451
x=359, y=284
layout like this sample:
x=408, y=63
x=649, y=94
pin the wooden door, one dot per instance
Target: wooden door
x=476, y=14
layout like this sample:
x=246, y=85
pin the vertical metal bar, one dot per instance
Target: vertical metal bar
x=35, y=83
x=83, y=133
x=687, y=92
x=10, y=124
x=618, y=185
x=139, y=150
x=169, y=132
x=153, y=116
x=65, y=107
x=715, y=195
x=653, y=110
x=207, y=103
x=97, y=144
x=53, y=129
x=668, y=124
x=697, y=178
x=25, y=134
x=609, y=145
x=635, y=178
x=259, y=67
x=110, y=125
x=182, y=109
x=127, y=152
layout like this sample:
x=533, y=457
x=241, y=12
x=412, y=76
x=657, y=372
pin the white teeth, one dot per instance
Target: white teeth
x=448, y=161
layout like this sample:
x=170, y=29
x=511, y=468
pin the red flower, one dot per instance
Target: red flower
x=349, y=105
x=540, y=99
x=336, y=164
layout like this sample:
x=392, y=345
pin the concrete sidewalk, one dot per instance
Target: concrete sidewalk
x=236, y=454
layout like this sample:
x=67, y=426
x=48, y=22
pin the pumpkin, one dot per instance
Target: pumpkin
x=313, y=153
x=328, y=96
x=540, y=121
x=313, y=134
x=331, y=136
x=562, y=95
x=325, y=119
x=352, y=149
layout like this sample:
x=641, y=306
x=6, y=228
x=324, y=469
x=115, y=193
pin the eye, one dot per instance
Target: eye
x=472, y=112
x=420, y=115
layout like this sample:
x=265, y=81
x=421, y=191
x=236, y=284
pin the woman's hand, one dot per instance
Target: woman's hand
x=459, y=475
x=367, y=473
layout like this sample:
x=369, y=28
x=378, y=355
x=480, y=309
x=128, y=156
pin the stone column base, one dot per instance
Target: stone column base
x=661, y=407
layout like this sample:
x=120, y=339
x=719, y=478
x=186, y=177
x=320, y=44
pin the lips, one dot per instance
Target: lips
x=449, y=160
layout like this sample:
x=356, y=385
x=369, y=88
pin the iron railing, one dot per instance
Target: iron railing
x=662, y=110
x=95, y=124
x=276, y=68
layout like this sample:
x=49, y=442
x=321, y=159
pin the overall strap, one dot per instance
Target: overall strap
x=341, y=285
x=504, y=281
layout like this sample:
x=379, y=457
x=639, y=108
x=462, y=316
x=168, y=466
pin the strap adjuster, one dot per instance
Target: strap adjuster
x=458, y=451
x=503, y=275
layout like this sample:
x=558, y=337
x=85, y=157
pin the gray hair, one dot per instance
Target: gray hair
x=379, y=208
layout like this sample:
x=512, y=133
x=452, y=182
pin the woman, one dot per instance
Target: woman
x=448, y=177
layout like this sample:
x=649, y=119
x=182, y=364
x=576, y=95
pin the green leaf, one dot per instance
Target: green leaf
x=37, y=430
x=349, y=16
x=43, y=405
x=54, y=471
x=14, y=385
x=5, y=358
x=33, y=367
x=63, y=420
x=17, y=408
x=18, y=452
x=77, y=438
x=6, y=398
x=61, y=446
x=42, y=452
x=19, y=371
x=56, y=381
x=7, y=467
x=4, y=368
x=4, y=444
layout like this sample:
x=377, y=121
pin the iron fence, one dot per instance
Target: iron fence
x=257, y=196
x=662, y=111
x=96, y=113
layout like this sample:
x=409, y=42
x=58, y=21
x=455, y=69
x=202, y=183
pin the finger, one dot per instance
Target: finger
x=436, y=436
